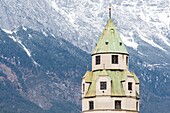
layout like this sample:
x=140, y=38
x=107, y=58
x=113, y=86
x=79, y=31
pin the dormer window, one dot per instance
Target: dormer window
x=129, y=85
x=97, y=60
x=112, y=30
x=103, y=85
x=114, y=59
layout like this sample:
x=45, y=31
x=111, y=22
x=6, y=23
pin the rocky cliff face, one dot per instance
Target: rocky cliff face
x=42, y=69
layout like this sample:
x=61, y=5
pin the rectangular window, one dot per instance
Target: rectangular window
x=83, y=87
x=117, y=104
x=126, y=60
x=103, y=85
x=91, y=105
x=136, y=106
x=114, y=59
x=97, y=60
x=129, y=85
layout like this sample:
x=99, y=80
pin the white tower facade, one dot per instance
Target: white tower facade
x=110, y=87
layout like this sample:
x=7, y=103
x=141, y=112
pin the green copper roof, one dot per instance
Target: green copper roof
x=115, y=76
x=110, y=41
x=88, y=76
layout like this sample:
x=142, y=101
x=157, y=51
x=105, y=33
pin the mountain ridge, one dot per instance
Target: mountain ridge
x=44, y=35
x=41, y=84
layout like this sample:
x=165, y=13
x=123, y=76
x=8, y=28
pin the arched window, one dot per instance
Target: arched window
x=114, y=59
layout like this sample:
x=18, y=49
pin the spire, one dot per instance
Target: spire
x=110, y=41
x=110, y=12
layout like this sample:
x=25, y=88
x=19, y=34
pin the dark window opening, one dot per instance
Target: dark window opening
x=97, y=60
x=120, y=43
x=117, y=104
x=112, y=30
x=127, y=61
x=103, y=85
x=129, y=85
x=91, y=105
x=107, y=43
x=136, y=106
x=114, y=59
x=83, y=87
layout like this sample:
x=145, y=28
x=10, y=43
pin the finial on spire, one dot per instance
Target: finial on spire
x=110, y=11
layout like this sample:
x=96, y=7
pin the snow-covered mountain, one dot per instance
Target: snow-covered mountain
x=144, y=26
x=39, y=73
x=150, y=20
x=83, y=21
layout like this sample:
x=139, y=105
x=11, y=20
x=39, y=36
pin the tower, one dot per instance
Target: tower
x=110, y=87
